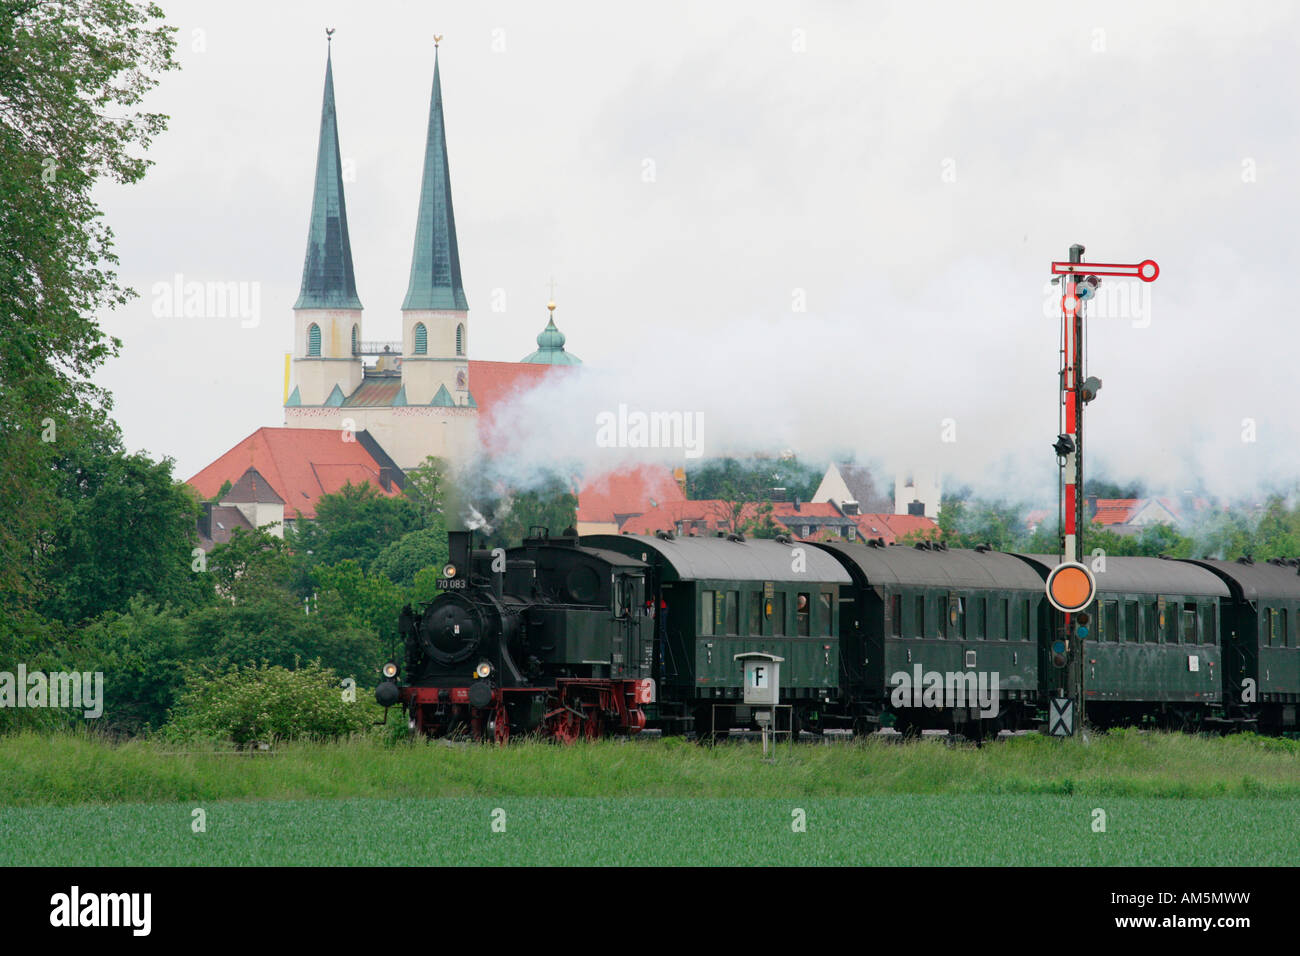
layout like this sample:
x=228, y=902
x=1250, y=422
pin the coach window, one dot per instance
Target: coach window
x=756, y=612
x=733, y=612
x=1189, y=624
x=1110, y=621
x=1005, y=632
x=941, y=618
x=706, y=612
x=1209, y=633
x=803, y=614
x=919, y=630
x=956, y=617
x=1025, y=632
x=824, y=611
x=1131, y=621
x=778, y=614
x=975, y=618
x=896, y=615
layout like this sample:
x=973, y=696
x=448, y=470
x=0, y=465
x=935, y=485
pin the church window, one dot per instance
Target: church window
x=313, y=339
x=356, y=341
x=460, y=340
x=421, y=339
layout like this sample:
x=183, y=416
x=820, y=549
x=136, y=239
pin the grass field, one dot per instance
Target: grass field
x=1167, y=799
x=892, y=830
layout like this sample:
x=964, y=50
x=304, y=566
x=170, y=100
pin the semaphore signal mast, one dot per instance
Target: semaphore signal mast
x=1071, y=587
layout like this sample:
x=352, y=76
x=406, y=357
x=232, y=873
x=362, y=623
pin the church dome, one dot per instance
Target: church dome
x=550, y=346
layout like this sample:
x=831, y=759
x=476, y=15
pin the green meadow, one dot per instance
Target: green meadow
x=1120, y=799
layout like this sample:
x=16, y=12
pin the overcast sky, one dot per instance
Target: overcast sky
x=692, y=175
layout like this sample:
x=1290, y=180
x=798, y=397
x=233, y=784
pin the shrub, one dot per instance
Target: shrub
x=266, y=703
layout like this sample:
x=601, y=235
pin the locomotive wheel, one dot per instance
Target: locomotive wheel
x=501, y=725
x=566, y=727
x=593, y=726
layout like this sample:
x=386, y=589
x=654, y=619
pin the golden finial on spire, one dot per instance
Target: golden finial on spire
x=551, y=304
x=437, y=38
x=329, y=34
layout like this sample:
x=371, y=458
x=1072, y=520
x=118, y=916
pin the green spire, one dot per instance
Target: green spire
x=327, y=278
x=435, y=263
x=550, y=346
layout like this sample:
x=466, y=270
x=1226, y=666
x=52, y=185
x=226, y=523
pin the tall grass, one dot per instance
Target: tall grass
x=73, y=768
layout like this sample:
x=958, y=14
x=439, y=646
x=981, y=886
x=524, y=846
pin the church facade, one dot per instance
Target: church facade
x=416, y=397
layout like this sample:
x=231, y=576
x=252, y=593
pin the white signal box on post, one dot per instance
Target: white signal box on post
x=762, y=678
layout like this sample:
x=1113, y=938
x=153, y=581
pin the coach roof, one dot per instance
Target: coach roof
x=1250, y=582
x=1146, y=576
x=899, y=565
x=722, y=559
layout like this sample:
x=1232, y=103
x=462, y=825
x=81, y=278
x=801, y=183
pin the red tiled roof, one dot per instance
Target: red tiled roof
x=1115, y=510
x=300, y=464
x=495, y=383
x=630, y=491
x=892, y=527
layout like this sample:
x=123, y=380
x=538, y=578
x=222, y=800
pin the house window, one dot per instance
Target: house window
x=421, y=339
x=313, y=339
x=460, y=339
x=356, y=341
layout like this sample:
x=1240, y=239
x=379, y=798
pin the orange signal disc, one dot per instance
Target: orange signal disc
x=1071, y=587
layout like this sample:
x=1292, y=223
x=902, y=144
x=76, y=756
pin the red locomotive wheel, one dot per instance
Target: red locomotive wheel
x=501, y=725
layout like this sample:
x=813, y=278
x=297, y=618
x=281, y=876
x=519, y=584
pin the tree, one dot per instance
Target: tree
x=402, y=560
x=355, y=523
x=426, y=486
x=550, y=503
x=123, y=527
x=71, y=75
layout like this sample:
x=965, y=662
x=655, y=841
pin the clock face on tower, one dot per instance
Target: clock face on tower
x=462, y=379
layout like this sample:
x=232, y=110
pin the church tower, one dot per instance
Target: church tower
x=327, y=316
x=435, y=313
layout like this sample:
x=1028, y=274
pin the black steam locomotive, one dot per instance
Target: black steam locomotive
x=610, y=634
x=548, y=637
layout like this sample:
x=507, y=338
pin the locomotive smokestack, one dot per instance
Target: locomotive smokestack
x=458, y=550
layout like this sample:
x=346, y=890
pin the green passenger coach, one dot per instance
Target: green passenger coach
x=722, y=596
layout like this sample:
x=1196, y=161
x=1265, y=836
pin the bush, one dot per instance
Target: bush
x=267, y=703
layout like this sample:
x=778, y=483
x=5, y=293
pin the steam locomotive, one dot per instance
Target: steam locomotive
x=610, y=634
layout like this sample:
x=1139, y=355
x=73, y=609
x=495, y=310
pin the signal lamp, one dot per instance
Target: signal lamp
x=1064, y=445
x=1090, y=387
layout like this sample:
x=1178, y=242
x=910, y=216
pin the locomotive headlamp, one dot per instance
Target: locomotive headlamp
x=390, y=670
x=483, y=670
x=449, y=571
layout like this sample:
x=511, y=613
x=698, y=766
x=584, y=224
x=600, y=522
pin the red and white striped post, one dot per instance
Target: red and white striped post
x=1074, y=273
